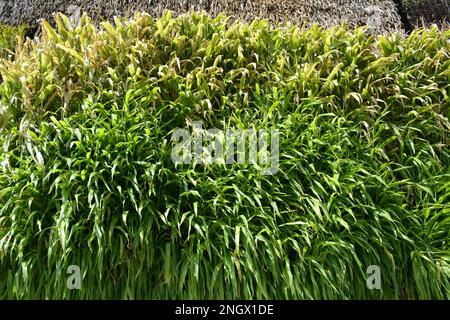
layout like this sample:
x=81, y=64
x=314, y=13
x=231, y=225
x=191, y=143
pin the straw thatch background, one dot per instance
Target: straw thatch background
x=379, y=15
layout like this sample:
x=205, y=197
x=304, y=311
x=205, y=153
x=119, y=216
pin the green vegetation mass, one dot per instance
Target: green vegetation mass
x=86, y=176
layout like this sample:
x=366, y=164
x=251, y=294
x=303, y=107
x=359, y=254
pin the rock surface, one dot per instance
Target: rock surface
x=426, y=12
x=380, y=15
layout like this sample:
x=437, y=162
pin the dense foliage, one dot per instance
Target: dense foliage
x=86, y=176
x=8, y=38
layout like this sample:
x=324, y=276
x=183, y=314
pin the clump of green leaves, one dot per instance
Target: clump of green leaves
x=86, y=176
x=9, y=37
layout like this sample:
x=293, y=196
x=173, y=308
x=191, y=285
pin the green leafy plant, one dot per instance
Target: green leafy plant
x=9, y=36
x=86, y=176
